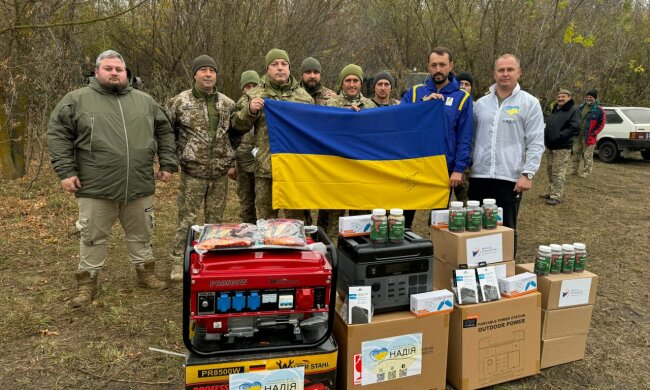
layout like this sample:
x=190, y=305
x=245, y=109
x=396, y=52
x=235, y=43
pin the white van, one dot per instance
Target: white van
x=627, y=128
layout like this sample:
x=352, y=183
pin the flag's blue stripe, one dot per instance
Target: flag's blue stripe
x=387, y=133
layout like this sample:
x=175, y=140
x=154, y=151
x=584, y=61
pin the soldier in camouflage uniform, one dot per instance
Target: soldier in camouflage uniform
x=383, y=84
x=311, y=73
x=277, y=84
x=245, y=162
x=310, y=69
x=200, y=118
x=350, y=80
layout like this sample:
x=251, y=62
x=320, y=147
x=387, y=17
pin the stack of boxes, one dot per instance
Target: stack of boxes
x=471, y=250
x=393, y=349
x=567, y=305
x=490, y=342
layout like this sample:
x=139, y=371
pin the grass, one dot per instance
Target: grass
x=106, y=345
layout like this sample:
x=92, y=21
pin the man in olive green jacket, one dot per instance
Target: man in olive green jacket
x=103, y=139
x=200, y=117
x=350, y=81
x=277, y=84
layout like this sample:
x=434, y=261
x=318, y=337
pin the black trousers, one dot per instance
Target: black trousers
x=503, y=192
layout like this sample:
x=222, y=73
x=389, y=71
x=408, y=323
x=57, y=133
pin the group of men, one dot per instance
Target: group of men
x=571, y=134
x=103, y=140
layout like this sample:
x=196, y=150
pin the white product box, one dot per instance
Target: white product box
x=359, y=304
x=465, y=286
x=488, y=281
x=432, y=302
x=357, y=225
x=519, y=284
x=440, y=218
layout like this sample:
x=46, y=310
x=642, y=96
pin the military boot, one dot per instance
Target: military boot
x=177, y=273
x=86, y=288
x=146, y=276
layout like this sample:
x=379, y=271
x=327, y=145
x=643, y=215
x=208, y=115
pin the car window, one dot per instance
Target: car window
x=636, y=115
x=612, y=117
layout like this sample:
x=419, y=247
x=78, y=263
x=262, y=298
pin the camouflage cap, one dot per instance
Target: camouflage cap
x=275, y=54
x=310, y=63
x=201, y=61
x=248, y=77
x=350, y=69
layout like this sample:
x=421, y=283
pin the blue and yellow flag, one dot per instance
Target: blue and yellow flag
x=335, y=158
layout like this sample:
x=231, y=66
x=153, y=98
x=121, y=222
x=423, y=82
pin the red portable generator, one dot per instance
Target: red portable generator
x=247, y=300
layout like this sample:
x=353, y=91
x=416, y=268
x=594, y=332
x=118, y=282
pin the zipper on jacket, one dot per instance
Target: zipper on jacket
x=92, y=130
x=126, y=137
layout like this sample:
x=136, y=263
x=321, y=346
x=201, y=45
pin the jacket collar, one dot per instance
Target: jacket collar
x=566, y=107
x=451, y=86
x=493, y=89
x=96, y=86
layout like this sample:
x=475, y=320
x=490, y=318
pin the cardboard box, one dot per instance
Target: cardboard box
x=213, y=373
x=564, y=290
x=440, y=218
x=473, y=248
x=563, y=350
x=566, y=322
x=443, y=272
x=371, y=352
x=494, y=342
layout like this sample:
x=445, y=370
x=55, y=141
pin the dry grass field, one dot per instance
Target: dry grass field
x=46, y=345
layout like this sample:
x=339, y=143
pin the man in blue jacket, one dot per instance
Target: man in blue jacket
x=441, y=84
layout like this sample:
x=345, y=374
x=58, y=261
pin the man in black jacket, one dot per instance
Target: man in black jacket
x=561, y=126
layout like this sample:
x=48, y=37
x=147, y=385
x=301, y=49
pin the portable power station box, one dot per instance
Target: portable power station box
x=393, y=270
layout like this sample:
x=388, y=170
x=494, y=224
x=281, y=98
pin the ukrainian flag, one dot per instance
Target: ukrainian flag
x=335, y=158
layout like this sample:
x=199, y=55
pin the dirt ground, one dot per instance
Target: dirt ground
x=44, y=344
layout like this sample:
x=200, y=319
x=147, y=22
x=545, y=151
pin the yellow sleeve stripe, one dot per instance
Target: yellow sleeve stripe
x=414, y=94
x=460, y=106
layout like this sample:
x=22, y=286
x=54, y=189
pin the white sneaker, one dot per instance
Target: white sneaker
x=177, y=273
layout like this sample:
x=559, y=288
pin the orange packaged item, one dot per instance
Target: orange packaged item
x=226, y=235
x=286, y=232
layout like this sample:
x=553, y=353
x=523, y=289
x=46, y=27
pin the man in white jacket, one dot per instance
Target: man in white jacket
x=508, y=141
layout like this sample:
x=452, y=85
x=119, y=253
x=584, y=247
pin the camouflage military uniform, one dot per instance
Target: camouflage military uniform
x=205, y=154
x=320, y=95
x=341, y=100
x=556, y=163
x=391, y=102
x=242, y=120
x=245, y=163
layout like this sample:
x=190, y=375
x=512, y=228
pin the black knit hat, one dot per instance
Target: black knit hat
x=467, y=77
x=593, y=93
x=383, y=76
x=201, y=61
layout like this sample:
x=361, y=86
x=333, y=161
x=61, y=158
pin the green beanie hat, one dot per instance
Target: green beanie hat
x=275, y=54
x=310, y=63
x=201, y=61
x=350, y=69
x=248, y=77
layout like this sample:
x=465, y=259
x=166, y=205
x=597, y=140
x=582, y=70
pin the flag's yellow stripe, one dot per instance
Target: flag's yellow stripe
x=300, y=181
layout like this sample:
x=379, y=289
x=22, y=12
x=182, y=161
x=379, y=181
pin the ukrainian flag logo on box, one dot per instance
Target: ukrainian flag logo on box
x=335, y=158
